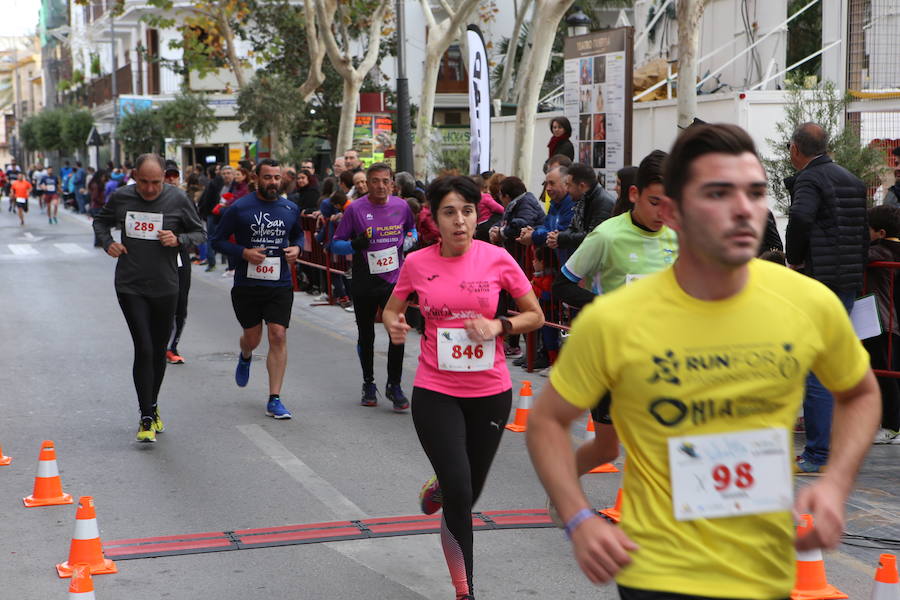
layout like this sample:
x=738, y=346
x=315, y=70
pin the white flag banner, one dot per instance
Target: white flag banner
x=479, y=103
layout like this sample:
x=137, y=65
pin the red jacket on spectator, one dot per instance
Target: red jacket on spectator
x=427, y=228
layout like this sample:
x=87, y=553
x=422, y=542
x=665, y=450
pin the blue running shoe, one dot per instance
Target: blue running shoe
x=394, y=393
x=276, y=409
x=369, y=395
x=242, y=372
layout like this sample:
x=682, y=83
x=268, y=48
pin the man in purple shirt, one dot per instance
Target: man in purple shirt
x=375, y=228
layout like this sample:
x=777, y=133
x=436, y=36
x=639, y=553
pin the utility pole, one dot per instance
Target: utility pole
x=114, y=87
x=404, y=129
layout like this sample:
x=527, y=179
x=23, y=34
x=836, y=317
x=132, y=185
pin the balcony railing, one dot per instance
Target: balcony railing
x=100, y=90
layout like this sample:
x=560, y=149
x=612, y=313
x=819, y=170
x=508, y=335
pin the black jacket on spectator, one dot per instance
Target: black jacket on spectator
x=524, y=211
x=828, y=230
x=210, y=197
x=594, y=207
x=879, y=281
x=771, y=237
x=306, y=199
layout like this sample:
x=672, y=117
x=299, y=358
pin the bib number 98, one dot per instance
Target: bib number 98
x=741, y=477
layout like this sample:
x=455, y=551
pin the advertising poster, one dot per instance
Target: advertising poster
x=598, y=73
x=373, y=137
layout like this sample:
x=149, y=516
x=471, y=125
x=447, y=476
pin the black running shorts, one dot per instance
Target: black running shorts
x=255, y=303
x=600, y=413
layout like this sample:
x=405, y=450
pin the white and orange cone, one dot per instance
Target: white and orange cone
x=86, y=546
x=521, y=421
x=82, y=586
x=614, y=513
x=4, y=460
x=887, y=581
x=589, y=436
x=812, y=582
x=47, y=484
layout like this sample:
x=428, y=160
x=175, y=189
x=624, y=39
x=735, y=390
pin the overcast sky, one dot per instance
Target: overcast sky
x=18, y=16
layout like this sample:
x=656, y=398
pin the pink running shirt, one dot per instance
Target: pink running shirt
x=452, y=290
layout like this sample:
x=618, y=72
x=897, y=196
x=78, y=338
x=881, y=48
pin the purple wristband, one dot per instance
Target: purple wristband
x=582, y=515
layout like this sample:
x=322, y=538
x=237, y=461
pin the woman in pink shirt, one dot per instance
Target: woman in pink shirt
x=462, y=392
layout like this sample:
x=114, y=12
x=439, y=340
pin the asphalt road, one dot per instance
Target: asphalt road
x=223, y=466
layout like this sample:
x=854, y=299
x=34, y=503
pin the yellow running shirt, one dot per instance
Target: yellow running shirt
x=680, y=366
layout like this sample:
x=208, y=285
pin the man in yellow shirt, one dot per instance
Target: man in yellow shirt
x=706, y=363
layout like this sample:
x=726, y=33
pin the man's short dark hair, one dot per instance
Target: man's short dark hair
x=650, y=170
x=885, y=217
x=78, y=163
x=582, y=173
x=266, y=162
x=346, y=177
x=512, y=187
x=442, y=186
x=379, y=166
x=149, y=157
x=697, y=141
x=811, y=139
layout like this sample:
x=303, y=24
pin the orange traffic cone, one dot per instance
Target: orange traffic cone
x=86, y=547
x=47, y=484
x=82, y=586
x=812, y=584
x=4, y=460
x=521, y=422
x=887, y=581
x=591, y=434
x=615, y=512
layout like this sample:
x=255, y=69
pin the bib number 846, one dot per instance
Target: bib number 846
x=468, y=351
x=741, y=477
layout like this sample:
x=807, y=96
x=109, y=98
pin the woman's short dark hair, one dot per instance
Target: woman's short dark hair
x=697, y=141
x=885, y=217
x=512, y=187
x=563, y=122
x=627, y=176
x=442, y=186
x=346, y=178
x=328, y=185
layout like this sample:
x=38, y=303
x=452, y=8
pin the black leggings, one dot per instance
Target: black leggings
x=150, y=323
x=365, y=307
x=460, y=437
x=184, y=288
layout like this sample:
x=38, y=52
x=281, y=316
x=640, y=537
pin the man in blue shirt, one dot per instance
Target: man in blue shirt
x=49, y=185
x=266, y=228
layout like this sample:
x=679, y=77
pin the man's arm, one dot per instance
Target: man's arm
x=857, y=413
x=103, y=223
x=193, y=228
x=802, y=215
x=566, y=288
x=601, y=549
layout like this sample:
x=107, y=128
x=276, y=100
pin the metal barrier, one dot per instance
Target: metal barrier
x=892, y=267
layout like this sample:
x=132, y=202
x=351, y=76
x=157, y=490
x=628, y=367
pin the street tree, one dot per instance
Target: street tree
x=513, y=48
x=335, y=20
x=690, y=13
x=440, y=35
x=141, y=131
x=76, y=126
x=267, y=108
x=186, y=118
x=547, y=15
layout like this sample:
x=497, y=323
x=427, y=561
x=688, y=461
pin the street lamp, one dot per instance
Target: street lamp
x=577, y=23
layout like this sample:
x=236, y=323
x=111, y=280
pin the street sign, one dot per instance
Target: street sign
x=94, y=138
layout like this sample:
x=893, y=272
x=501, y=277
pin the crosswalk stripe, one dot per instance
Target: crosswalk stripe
x=22, y=249
x=69, y=248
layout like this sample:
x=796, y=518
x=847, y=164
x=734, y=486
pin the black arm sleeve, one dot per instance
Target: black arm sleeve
x=570, y=292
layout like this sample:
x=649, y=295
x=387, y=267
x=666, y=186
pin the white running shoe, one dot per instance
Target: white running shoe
x=885, y=436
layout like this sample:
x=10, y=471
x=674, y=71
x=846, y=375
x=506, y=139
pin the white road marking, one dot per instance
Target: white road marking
x=339, y=505
x=22, y=249
x=415, y=562
x=68, y=248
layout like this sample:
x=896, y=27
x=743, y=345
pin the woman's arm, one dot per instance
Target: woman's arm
x=394, y=320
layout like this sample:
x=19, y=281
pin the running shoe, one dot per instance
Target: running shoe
x=519, y=362
x=804, y=467
x=800, y=425
x=228, y=273
x=513, y=352
x=242, y=372
x=56, y=220
x=394, y=393
x=173, y=358
x=545, y=372
x=158, y=424
x=146, y=433
x=885, y=436
x=276, y=409
x=369, y=395
x=431, y=499
x=210, y=268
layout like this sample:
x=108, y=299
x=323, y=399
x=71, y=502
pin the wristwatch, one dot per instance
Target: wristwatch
x=506, y=324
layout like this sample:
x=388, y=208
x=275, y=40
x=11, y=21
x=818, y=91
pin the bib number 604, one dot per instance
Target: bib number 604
x=741, y=476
